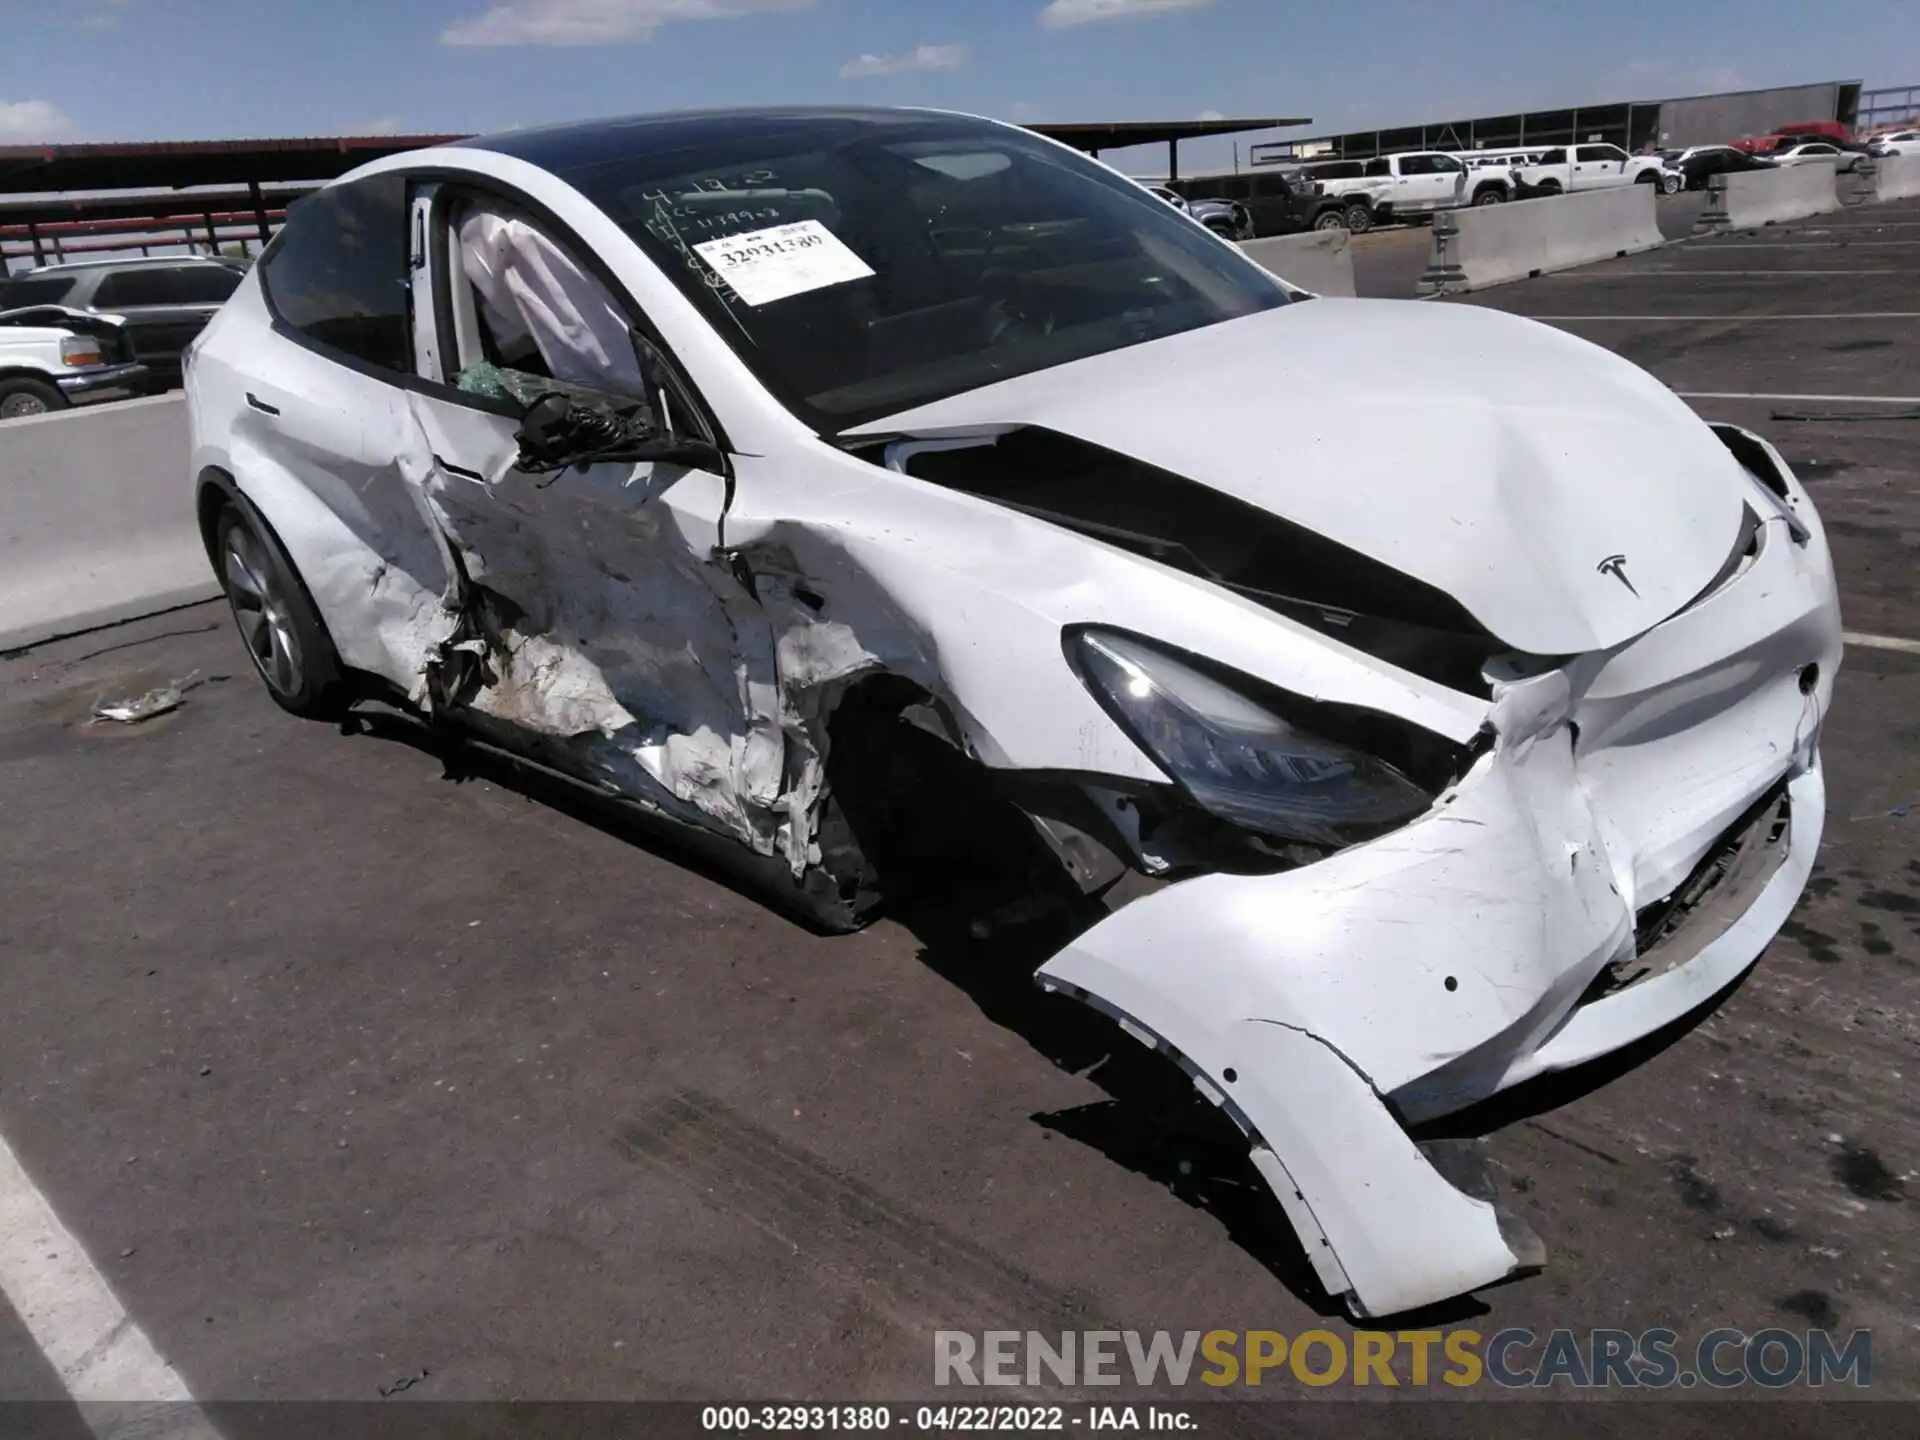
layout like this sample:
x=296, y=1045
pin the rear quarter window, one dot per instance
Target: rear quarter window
x=137, y=287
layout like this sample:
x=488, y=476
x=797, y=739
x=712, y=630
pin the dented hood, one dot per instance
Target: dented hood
x=1566, y=498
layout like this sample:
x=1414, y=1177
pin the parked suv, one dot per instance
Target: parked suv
x=1276, y=204
x=166, y=302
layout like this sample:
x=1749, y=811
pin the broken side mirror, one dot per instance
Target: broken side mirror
x=559, y=431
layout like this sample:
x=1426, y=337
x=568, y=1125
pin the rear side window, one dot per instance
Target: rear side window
x=206, y=284
x=28, y=290
x=138, y=287
x=338, y=273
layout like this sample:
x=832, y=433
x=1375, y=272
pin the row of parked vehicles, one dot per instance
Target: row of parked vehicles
x=84, y=331
x=1360, y=194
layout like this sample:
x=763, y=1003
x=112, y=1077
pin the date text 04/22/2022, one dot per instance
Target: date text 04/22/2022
x=943, y=1419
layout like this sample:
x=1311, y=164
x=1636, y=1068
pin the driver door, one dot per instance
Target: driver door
x=597, y=626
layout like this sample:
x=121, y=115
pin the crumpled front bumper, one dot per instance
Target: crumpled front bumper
x=1523, y=925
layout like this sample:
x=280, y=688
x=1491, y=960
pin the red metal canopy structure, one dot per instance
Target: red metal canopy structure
x=210, y=192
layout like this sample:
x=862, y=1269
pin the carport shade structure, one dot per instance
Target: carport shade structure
x=1093, y=138
x=44, y=171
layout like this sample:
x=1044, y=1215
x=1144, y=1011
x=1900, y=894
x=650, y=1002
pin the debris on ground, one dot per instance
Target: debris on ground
x=157, y=701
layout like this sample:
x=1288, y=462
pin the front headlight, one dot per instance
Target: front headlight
x=1236, y=756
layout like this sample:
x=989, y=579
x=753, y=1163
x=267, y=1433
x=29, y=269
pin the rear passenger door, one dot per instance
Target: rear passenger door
x=318, y=402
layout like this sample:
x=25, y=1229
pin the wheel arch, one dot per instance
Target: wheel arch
x=27, y=372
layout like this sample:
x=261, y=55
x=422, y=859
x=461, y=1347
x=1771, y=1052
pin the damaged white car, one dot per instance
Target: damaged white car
x=734, y=464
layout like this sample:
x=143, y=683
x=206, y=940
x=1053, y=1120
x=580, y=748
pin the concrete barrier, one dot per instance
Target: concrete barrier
x=1752, y=198
x=1492, y=244
x=1318, y=260
x=96, y=520
x=1897, y=177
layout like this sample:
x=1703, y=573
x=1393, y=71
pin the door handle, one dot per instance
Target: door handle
x=262, y=406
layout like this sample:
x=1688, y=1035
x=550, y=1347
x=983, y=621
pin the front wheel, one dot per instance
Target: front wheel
x=283, y=632
x=1489, y=197
x=1549, y=187
x=1672, y=184
x=1332, y=220
x=1359, y=217
x=22, y=396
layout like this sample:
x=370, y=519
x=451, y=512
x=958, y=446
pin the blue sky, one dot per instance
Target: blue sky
x=213, y=69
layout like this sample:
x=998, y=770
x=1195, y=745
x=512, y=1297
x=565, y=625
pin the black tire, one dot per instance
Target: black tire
x=1549, y=187
x=278, y=623
x=1490, y=196
x=21, y=395
x=1359, y=217
x=1330, y=220
x=1672, y=184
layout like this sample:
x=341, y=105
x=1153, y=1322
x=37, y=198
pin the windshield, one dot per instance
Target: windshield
x=862, y=266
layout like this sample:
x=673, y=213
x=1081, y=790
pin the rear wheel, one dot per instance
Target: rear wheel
x=1331, y=220
x=1359, y=217
x=1490, y=197
x=21, y=397
x=1672, y=184
x=283, y=632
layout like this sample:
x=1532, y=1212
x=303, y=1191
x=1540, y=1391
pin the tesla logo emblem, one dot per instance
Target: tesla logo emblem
x=1616, y=566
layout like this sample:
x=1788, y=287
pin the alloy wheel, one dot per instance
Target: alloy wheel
x=261, y=613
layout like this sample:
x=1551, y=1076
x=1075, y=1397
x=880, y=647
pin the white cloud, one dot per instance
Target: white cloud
x=921, y=57
x=1065, y=14
x=1209, y=115
x=385, y=125
x=24, y=122
x=594, y=22
x=102, y=15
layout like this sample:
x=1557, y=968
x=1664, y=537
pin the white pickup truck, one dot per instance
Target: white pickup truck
x=1419, y=182
x=1568, y=168
x=52, y=357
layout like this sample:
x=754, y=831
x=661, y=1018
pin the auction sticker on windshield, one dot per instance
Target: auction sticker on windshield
x=767, y=265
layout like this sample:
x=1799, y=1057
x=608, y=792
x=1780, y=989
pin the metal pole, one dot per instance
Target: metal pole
x=39, y=254
x=259, y=208
x=1173, y=160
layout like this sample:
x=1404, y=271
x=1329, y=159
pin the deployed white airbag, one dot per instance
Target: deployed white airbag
x=533, y=293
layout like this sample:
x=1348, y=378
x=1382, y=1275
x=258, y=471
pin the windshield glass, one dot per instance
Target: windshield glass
x=861, y=266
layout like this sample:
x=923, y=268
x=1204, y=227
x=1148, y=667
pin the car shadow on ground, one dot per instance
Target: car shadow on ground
x=1151, y=1121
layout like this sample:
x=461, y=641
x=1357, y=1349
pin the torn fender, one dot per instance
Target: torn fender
x=1383, y=1230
